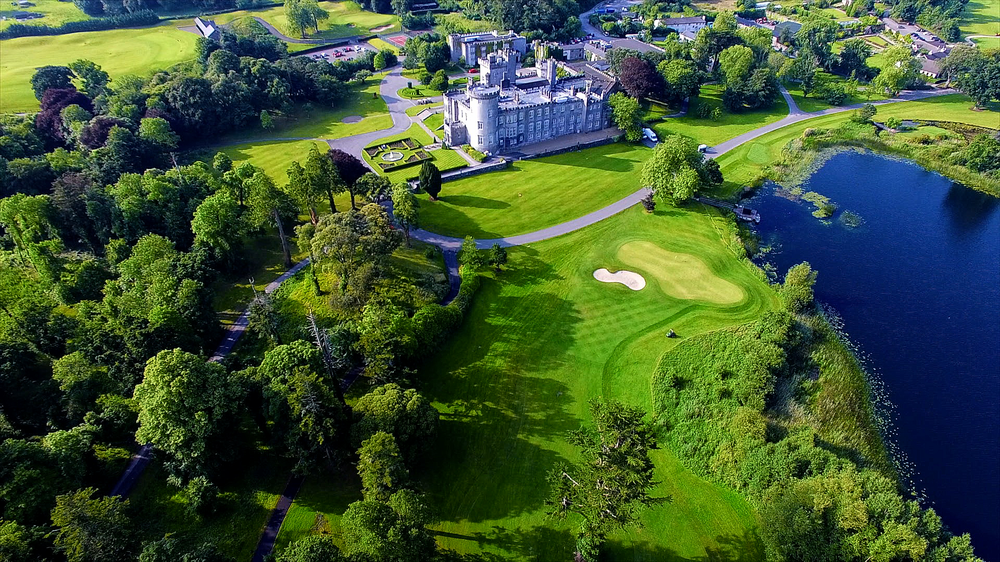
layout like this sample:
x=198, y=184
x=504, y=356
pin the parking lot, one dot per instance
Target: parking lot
x=342, y=52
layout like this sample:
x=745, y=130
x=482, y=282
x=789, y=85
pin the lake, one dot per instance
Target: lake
x=917, y=287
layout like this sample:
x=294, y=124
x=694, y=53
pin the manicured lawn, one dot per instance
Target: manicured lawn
x=729, y=125
x=248, y=496
x=273, y=156
x=380, y=45
x=744, y=163
x=119, y=51
x=444, y=159
x=434, y=122
x=988, y=42
x=534, y=194
x=311, y=121
x=346, y=19
x=812, y=102
x=413, y=111
x=57, y=12
x=418, y=93
x=545, y=338
x=981, y=17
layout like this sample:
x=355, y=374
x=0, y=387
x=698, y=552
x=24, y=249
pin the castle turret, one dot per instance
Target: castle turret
x=484, y=108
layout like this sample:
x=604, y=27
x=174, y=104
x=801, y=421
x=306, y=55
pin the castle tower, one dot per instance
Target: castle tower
x=484, y=109
x=497, y=67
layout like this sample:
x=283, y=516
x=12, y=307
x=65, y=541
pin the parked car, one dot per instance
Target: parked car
x=702, y=148
x=473, y=71
x=649, y=134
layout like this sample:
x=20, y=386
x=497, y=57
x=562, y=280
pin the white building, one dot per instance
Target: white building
x=512, y=107
x=474, y=46
x=692, y=24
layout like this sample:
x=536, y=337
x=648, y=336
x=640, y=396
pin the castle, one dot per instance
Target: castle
x=511, y=107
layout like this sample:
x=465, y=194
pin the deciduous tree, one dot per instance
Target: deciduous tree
x=381, y=467
x=627, y=114
x=93, y=530
x=404, y=209
x=187, y=409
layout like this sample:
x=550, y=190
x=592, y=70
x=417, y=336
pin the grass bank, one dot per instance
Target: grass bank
x=744, y=164
x=55, y=12
x=347, y=18
x=534, y=194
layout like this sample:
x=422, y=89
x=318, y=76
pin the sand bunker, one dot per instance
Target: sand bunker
x=352, y=119
x=380, y=28
x=630, y=279
x=679, y=275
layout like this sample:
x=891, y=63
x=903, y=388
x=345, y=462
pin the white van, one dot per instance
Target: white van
x=702, y=148
x=649, y=134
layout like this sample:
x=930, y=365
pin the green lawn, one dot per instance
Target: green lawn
x=118, y=51
x=381, y=45
x=413, y=111
x=346, y=19
x=545, y=338
x=742, y=164
x=248, y=496
x=812, y=102
x=981, y=17
x=434, y=122
x=444, y=159
x=988, y=42
x=325, y=123
x=273, y=156
x=534, y=194
x=729, y=125
x=57, y=12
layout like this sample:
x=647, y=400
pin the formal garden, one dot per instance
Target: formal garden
x=397, y=154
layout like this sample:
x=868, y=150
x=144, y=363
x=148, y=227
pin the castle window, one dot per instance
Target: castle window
x=480, y=127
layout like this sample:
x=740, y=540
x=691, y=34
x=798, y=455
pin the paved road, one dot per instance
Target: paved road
x=270, y=535
x=796, y=115
x=392, y=83
x=274, y=31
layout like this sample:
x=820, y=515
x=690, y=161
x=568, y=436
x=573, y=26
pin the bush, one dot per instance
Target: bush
x=475, y=154
x=135, y=19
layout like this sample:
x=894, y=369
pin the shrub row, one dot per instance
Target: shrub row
x=475, y=154
x=433, y=323
x=135, y=19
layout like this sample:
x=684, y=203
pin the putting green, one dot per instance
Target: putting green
x=119, y=51
x=682, y=276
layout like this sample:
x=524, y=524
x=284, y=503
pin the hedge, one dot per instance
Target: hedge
x=135, y=19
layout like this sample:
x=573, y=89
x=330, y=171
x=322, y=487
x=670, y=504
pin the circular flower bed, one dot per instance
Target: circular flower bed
x=393, y=156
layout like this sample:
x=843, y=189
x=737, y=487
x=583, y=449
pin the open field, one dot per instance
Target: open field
x=273, y=156
x=981, y=17
x=310, y=121
x=728, y=125
x=527, y=196
x=346, y=19
x=987, y=42
x=742, y=164
x=57, y=12
x=119, y=51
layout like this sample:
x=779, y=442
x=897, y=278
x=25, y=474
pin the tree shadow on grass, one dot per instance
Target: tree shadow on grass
x=746, y=547
x=488, y=461
x=474, y=202
x=442, y=217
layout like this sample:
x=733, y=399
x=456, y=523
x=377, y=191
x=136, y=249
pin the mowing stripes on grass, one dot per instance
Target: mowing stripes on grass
x=534, y=194
x=119, y=51
x=541, y=340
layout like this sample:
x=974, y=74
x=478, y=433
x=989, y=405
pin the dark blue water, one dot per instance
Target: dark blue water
x=918, y=289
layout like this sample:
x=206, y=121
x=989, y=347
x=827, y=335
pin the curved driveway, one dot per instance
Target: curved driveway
x=392, y=83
